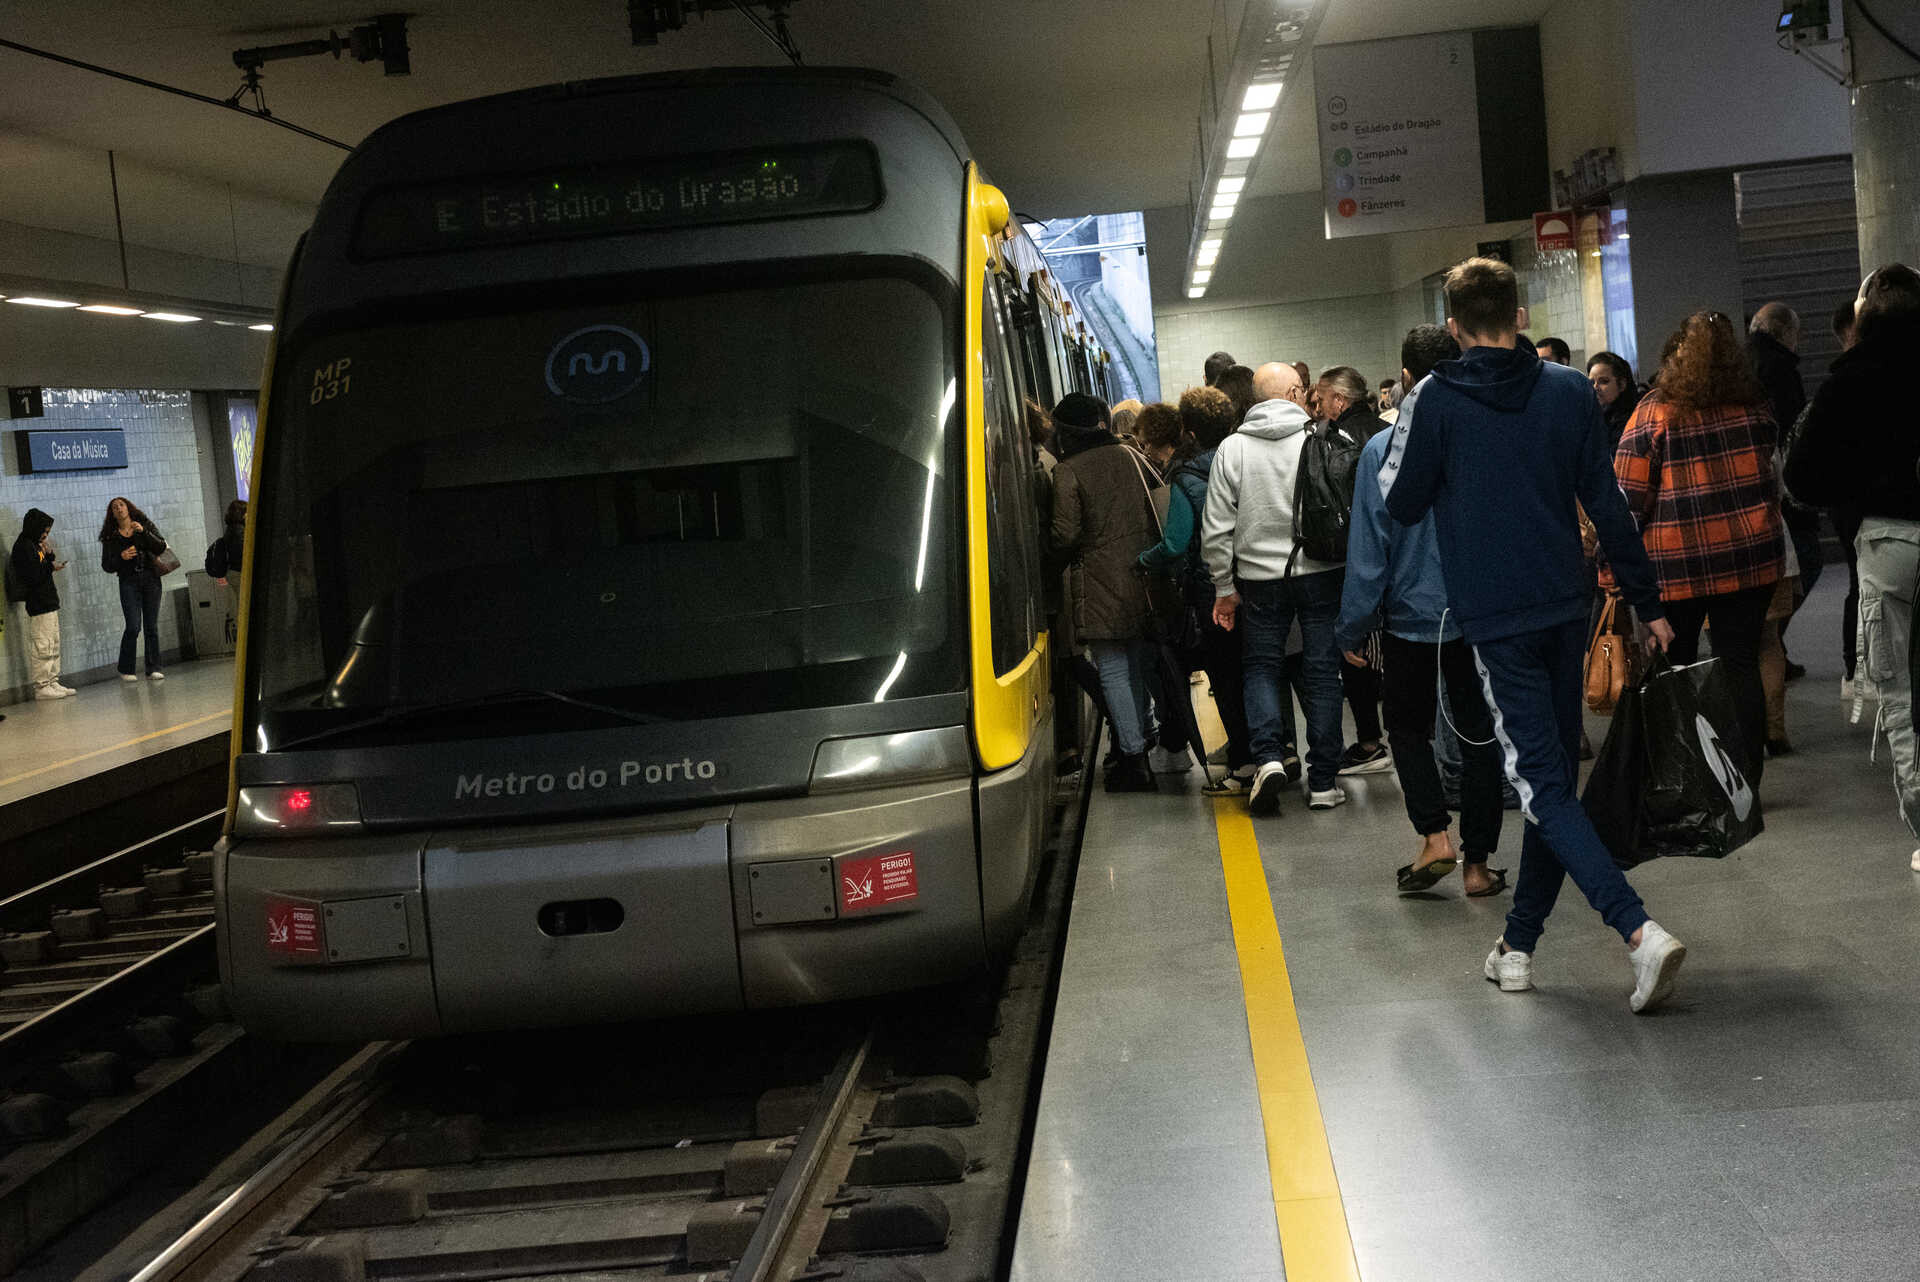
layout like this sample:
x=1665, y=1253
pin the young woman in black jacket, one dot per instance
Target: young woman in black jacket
x=129, y=542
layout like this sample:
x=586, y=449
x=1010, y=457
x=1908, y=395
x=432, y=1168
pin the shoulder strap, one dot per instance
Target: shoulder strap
x=1146, y=489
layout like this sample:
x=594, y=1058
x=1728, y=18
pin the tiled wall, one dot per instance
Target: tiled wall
x=1324, y=332
x=162, y=477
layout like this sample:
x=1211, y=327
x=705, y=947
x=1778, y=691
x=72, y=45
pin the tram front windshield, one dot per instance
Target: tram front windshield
x=686, y=506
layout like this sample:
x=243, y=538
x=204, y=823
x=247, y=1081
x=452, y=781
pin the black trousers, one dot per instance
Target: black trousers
x=1412, y=700
x=1220, y=657
x=1362, y=687
x=1737, y=619
x=1847, y=526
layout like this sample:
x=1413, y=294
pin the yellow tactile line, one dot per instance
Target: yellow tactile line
x=1315, y=1244
x=222, y=715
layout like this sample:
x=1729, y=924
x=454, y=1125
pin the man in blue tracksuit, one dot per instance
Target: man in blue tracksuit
x=1501, y=447
x=1394, y=585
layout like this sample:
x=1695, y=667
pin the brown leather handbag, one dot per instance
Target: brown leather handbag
x=1606, y=659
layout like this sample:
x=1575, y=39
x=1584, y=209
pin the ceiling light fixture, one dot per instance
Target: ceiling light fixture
x=1202, y=276
x=178, y=318
x=262, y=328
x=27, y=301
x=110, y=309
x=1272, y=35
x=1196, y=293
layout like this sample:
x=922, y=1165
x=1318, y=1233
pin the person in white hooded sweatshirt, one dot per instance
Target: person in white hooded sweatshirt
x=1262, y=586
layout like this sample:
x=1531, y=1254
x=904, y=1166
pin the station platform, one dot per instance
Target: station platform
x=112, y=748
x=1267, y=1063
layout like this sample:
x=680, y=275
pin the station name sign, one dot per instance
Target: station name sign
x=73, y=450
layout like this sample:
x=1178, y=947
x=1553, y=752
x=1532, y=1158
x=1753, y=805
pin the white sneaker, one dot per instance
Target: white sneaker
x=65, y=691
x=1268, y=783
x=128, y=676
x=156, y=676
x=1655, y=962
x=51, y=692
x=1914, y=863
x=1326, y=800
x=1512, y=970
x=1164, y=761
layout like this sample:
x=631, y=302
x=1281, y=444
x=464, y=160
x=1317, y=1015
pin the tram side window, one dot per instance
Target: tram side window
x=1012, y=521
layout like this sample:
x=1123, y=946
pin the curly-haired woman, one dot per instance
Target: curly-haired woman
x=1697, y=465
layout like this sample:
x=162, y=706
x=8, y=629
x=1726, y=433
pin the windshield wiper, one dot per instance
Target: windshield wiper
x=407, y=712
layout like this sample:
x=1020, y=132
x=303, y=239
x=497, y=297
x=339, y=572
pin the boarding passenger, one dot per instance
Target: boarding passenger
x=1773, y=340
x=1216, y=365
x=1394, y=586
x=1387, y=403
x=1555, y=350
x=1102, y=521
x=1207, y=416
x=1612, y=380
x=1854, y=452
x=1121, y=420
x=1160, y=432
x=1261, y=586
x=1237, y=383
x=34, y=564
x=1697, y=467
x=129, y=542
x=1341, y=398
x=1846, y=527
x=1502, y=446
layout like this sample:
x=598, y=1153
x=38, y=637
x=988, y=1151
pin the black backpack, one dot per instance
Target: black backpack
x=1323, y=494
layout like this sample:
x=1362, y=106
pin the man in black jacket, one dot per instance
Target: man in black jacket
x=31, y=571
x=1773, y=339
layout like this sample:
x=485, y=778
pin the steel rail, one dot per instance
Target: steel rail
x=32, y=895
x=119, y=993
x=305, y=1148
x=788, y=1200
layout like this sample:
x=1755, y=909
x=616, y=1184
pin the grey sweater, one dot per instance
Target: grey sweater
x=1248, y=528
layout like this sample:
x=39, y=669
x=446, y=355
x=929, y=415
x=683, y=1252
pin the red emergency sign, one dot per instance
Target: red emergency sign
x=877, y=881
x=293, y=928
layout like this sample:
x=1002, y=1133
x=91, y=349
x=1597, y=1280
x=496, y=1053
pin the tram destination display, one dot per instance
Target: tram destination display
x=628, y=196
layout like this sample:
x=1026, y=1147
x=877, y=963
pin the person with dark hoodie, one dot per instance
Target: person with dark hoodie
x=1853, y=453
x=1501, y=447
x=1208, y=418
x=33, y=567
x=1394, y=586
x=1102, y=520
x=1342, y=397
x=229, y=551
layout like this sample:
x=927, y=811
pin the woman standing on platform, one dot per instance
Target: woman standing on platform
x=129, y=542
x=1697, y=466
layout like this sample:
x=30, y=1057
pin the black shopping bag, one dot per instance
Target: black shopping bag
x=1671, y=780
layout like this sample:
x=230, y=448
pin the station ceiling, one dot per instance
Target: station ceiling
x=1076, y=105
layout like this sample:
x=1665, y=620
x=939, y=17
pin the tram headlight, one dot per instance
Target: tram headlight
x=271, y=810
x=871, y=761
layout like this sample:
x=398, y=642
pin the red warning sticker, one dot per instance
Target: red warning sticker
x=293, y=928
x=877, y=881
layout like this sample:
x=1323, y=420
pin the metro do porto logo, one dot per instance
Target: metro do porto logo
x=597, y=364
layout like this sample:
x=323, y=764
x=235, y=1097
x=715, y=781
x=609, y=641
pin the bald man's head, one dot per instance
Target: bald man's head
x=1273, y=381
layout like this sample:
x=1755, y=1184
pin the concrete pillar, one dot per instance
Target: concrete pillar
x=1886, y=171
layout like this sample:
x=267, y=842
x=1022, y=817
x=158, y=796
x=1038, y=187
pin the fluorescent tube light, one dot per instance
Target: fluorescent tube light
x=1206, y=257
x=263, y=328
x=109, y=309
x=1202, y=277
x=1220, y=214
x=1261, y=97
x=1232, y=186
x=1243, y=148
x=1197, y=293
x=42, y=302
x=1251, y=124
x=178, y=318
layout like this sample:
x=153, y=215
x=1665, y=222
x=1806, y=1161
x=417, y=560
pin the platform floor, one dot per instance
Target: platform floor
x=46, y=744
x=1761, y=1126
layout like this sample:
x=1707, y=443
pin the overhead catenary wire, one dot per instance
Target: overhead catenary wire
x=776, y=32
x=142, y=81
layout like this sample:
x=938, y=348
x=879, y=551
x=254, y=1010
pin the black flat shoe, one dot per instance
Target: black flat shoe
x=1412, y=880
x=1499, y=876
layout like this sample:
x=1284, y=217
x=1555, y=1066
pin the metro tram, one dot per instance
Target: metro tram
x=642, y=602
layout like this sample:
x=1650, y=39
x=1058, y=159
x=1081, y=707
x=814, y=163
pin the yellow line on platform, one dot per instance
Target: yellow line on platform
x=1314, y=1242
x=222, y=715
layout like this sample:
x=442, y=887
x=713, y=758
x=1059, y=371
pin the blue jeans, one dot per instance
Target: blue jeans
x=1533, y=687
x=1123, y=668
x=140, y=606
x=1267, y=611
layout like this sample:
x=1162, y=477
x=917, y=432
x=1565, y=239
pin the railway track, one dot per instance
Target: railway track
x=880, y=1141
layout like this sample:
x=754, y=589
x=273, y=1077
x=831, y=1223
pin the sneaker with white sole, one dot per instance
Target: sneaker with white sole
x=1169, y=761
x=156, y=676
x=48, y=692
x=1510, y=969
x=1326, y=800
x=65, y=691
x=1914, y=863
x=1655, y=962
x=1366, y=761
x=129, y=676
x=1269, y=781
x=1231, y=784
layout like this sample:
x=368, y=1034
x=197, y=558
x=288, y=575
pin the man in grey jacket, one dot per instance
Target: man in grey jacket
x=1262, y=585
